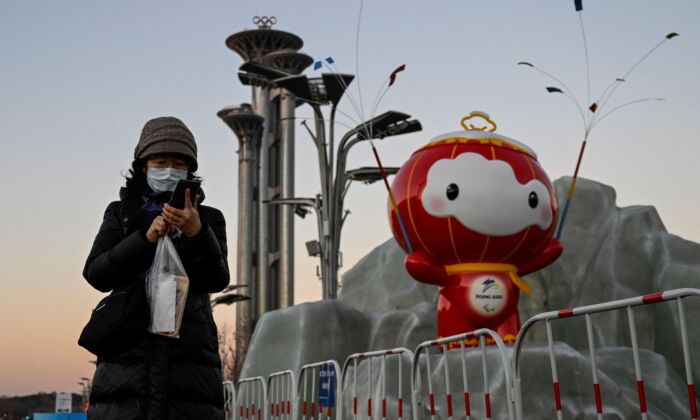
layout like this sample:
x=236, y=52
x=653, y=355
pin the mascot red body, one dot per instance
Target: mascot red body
x=479, y=212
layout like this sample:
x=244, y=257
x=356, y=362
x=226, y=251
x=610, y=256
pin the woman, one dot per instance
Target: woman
x=148, y=376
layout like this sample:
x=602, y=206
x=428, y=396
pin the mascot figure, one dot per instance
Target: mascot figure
x=478, y=212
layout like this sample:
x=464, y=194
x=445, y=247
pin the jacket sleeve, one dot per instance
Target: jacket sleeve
x=115, y=260
x=205, y=254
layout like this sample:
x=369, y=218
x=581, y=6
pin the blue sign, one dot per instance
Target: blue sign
x=326, y=392
x=59, y=416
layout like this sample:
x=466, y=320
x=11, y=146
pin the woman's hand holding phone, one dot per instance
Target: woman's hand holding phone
x=187, y=219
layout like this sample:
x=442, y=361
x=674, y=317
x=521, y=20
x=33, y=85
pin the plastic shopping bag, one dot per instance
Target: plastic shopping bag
x=166, y=288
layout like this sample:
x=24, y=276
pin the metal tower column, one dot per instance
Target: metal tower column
x=263, y=293
x=255, y=45
x=247, y=127
x=292, y=62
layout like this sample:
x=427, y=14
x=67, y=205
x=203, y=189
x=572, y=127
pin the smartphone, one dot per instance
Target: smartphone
x=178, y=198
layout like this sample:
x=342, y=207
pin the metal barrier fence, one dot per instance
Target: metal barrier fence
x=356, y=361
x=678, y=295
x=229, y=399
x=445, y=345
x=281, y=391
x=327, y=390
x=251, y=398
x=282, y=397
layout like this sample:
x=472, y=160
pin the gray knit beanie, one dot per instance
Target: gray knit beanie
x=167, y=135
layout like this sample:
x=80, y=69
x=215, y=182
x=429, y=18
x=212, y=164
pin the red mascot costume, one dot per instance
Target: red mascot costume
x=479, y=212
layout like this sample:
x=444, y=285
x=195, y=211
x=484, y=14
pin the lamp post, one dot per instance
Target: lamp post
x=86, y=384
x=390, y=123
x=301, y=208
x=316, y=92
x=228, y=299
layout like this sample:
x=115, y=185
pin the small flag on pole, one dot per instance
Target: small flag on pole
x=552, y=89
x=330, y=60
x=578, y=4
x=593, y=107
x=318, y=65
x=398, y=70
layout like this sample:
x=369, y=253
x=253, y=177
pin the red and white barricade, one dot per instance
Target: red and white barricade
x=384, y=359
x=251, y=399
x=229, y=399
x=460, y=344
x=625, y=304
x=315, y=381
x=281, y=392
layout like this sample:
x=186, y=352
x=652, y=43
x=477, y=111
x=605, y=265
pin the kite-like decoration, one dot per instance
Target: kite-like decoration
x=392, y=77
x=596, y=108
x=318, y=64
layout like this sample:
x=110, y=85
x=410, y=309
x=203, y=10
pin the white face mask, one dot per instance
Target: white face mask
x=164, y=179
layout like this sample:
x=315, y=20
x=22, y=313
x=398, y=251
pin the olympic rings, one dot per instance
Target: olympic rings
x=264, y=22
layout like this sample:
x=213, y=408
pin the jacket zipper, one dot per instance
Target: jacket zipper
x=104, y=304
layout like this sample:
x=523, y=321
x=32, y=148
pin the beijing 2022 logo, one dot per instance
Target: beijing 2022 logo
x=487, y=295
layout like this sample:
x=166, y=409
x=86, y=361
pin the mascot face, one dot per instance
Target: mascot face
x=475, y=197
x=485, y=196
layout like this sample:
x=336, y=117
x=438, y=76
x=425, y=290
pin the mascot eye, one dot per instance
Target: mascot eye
x=452, y=191
x=533, y=200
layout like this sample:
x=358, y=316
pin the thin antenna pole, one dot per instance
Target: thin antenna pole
x=324, y=119
x=347, y=93
x=588, y=65
x=568, y=93
x=377, y=98
x=612, y=84
x=357, y=59
x=375, y=105
x=591, y=121
x=350, y=97
x=617, y=108
x=631, y=69
x=570, y=194
x=392, y=198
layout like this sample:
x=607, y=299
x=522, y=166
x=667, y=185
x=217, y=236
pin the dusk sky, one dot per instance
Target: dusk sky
x=78, y=79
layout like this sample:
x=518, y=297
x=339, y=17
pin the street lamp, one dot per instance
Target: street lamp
x=330, y=213
x=369, y=175
x=316, y=93
x=86, y=384
x=388, y=124
x=228, y=298
x=319, y=91
x=302, y=207
x=233, y=287
x=329, y=89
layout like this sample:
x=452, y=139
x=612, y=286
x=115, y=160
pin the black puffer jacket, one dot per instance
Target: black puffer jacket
x=154, y=377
